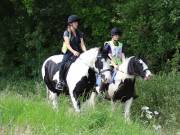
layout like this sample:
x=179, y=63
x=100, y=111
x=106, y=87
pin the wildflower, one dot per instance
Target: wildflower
x=157, y=127
x=149, y=116
x=149, y=112
x=144, y=108
x=156, y=113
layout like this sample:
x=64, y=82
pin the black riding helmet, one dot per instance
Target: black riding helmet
x=116, y=31
x=73, y=18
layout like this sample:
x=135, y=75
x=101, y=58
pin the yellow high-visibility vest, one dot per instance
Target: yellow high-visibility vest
x=116, y=50
x=64, y=47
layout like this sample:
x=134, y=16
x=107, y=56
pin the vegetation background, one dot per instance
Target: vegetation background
x=32, y=30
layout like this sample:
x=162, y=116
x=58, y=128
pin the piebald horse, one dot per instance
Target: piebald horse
x=80, y=77
x=122, y=86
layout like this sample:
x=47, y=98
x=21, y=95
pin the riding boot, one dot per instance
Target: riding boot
x=61, y=83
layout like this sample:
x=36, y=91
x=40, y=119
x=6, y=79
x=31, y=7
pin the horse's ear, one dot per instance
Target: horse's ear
x=141, y=57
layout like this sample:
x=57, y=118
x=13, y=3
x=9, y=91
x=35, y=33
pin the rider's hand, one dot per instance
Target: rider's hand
x=116, y=67
x=76, y=53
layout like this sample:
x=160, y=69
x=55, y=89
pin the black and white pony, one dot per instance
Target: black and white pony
x=80, y=77
x=122, y=85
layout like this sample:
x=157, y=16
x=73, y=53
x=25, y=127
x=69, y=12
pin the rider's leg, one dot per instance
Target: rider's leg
x=61, y=83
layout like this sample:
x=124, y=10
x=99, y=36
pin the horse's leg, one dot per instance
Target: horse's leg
x=47, y=93
x=76, y=90
x=92, y=99
x=97, y=89
x=113, y=105
x=127, y=107
x=74, y=98
x=53, y=98
x=75, y=101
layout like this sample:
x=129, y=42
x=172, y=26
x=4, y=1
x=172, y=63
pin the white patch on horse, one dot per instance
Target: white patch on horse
x=56, y=76
x=122, y=73
x=55, y=58
x=112, y=88
x=127, y=107
x=53, y=99
x=92, y=99
x=97, y=89
x=148, y=72
x=144, y=65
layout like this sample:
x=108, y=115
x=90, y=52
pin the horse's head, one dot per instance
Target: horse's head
x=138, y=67
x=102, y=65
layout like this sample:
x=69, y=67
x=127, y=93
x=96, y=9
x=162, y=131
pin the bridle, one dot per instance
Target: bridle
x=135, y=74
x=99, y=66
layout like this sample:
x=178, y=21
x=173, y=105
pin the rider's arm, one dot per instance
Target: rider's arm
x=83, y=47
x=107, y=46
x=67, y=43
x=114, y=64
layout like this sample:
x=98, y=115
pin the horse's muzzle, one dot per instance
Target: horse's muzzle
x=148, y=77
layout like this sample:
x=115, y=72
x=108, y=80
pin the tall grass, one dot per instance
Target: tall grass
x=33, y=115
x=161, y=93
x=24, y=110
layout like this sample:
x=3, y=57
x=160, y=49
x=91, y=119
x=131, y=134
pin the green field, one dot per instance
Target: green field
x=25, y=110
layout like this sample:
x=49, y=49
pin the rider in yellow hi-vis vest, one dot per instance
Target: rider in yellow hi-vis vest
x=115, y=48
x=115, y=52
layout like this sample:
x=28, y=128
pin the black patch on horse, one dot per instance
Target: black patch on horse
x=135, y=67
x=125, y=91
x=50, y=69
x=85, y=85
x=103, y=53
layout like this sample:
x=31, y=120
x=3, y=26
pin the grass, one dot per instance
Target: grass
x=36, y=115
x=162, y=94
x=24, y=110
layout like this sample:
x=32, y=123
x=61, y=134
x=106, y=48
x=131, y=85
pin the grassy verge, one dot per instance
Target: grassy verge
x=162, y=94
x=32, y=115
x=24, y=110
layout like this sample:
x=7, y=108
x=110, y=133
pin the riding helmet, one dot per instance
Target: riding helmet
x=116, y=31
x=73, y=18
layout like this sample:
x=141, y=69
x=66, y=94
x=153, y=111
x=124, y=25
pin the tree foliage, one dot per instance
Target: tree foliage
x=31, y=30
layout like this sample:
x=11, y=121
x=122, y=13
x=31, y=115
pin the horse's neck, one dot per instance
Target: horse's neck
x=124, y=66
x=89, y=57
x=123, y=69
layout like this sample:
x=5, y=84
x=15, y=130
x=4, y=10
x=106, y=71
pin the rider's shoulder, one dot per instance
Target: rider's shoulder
x=66, y=33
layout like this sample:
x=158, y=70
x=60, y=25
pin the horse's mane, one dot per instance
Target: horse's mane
x=124, y=66
x=89, y=53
